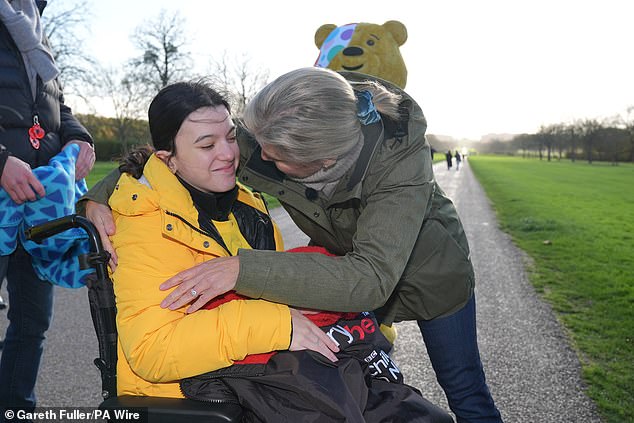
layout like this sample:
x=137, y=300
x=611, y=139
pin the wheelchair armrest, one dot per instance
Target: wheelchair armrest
x=174, y=410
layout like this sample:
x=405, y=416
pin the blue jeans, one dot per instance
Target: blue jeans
x=30, y=314
x=452, y=346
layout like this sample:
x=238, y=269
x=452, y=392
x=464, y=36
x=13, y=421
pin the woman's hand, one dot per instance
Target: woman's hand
x=201, y=283
x=101, y=216
x=308, y=336
x=85, y=158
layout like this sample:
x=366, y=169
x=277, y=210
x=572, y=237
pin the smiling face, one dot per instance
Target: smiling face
x=207, y=153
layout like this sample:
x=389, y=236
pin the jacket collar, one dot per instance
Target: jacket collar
x=174, y=196
x=179, y=199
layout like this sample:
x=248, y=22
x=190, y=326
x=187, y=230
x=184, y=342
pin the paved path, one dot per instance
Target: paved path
x=532, y=372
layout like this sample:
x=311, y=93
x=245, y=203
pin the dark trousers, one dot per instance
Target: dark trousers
x=452, y=345
x=30, y=313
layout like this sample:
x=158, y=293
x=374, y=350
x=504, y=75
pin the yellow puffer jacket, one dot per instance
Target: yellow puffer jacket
x=158, y=347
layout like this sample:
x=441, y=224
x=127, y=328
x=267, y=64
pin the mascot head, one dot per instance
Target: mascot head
x=364, y=47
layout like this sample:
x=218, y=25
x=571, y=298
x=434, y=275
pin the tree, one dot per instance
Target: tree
x=238, y=79
x=547, y=136
x=573, y=133
x=589, y=130
x=65, y=24
x=627, y=122
x=164, y=57
x=128, y=101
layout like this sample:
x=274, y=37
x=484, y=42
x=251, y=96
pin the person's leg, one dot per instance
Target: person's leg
x=452, y=346
x=30, y=313
x=4, y=263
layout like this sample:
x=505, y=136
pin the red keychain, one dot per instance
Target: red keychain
x=36, y=133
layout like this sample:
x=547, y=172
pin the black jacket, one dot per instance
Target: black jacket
x=17, y=109
x=299, y=386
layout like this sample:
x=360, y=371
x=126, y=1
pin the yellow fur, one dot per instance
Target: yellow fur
x=389, y=332
x=377, y=50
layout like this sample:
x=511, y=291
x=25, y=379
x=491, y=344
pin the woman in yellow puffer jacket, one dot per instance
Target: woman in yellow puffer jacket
x=176, y=206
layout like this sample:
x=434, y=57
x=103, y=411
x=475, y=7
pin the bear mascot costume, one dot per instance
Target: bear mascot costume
x=365, y=48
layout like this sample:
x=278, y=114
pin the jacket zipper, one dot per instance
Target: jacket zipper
x=209, y=400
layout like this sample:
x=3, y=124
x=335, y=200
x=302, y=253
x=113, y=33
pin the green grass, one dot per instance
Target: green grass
x=586, y=271
x=101, y=169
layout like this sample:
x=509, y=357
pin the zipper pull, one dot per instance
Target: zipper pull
x=36, y=133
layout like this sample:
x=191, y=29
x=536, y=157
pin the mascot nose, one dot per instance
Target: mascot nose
x=352, y=51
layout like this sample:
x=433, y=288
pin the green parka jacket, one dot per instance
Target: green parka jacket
x=403, y=251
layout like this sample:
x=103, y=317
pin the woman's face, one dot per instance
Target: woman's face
x=292, y=169
x=207, y=153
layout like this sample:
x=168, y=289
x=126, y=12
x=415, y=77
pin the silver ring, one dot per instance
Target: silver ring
x=194, y=293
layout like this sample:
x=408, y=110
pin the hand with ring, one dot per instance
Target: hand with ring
x=201, y=283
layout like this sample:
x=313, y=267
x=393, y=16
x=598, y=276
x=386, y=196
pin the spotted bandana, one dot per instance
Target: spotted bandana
x=336, y=41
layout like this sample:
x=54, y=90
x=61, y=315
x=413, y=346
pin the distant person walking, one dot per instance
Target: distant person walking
x=448, y=158
x=458, y=160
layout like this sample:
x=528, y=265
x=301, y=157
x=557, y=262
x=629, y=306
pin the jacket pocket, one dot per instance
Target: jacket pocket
x=438, y=278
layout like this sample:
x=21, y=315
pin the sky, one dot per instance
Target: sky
x=476, y=67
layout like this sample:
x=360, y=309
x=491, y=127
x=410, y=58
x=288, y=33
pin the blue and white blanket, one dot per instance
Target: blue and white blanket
x=56, y=258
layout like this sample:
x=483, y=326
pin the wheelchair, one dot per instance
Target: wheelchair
x=103, y=312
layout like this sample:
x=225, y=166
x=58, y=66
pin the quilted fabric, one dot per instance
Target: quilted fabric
x=56, y=258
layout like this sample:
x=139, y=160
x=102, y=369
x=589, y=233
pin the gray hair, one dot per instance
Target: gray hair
x=310, y=113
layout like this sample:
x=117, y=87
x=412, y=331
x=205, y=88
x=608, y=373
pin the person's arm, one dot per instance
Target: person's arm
x=71, y=131
x=363, y=279
x=94, y=206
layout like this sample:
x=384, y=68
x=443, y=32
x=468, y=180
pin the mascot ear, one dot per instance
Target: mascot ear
x=322, y=33
x=398, y=31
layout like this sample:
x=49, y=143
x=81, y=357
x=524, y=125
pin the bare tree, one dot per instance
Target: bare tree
x=127, y=100
x=628, y=123
x=561, y=136
x=65, y=24
x=547, y=137
x=238, y=78
x=164, y=57
x=589, y=130
x=573, y=133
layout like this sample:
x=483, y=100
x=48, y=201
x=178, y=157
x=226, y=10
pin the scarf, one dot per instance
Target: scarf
x=325, y=180
x=22, y=19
